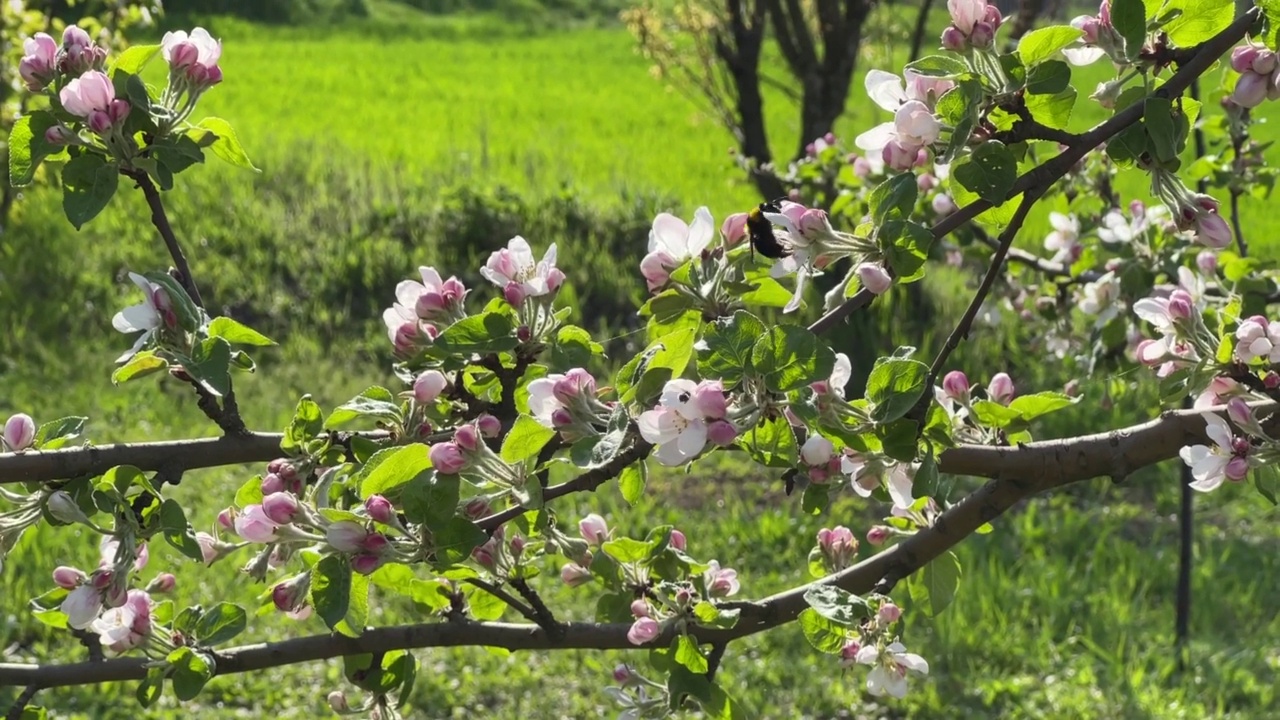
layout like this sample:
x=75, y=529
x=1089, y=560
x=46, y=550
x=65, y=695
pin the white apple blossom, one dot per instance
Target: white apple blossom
x=678, y=426
x=148, y=316
x=1102, y=298
x=125, y=627
x=867, y=474
x=1227, y=459
x=1258, y=338
x=889, y=674
x=672, y=242
x=81, y=606
x=516, y=265
x=1065, y=238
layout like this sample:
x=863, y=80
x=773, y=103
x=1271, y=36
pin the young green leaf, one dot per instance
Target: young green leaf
x=88, y=184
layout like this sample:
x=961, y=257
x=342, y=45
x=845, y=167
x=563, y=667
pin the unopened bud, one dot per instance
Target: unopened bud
x=954, y=40
x=640, y=608
x=338, y=702
x=380, y=509
x=428, y=386
x=68, y=578
x=162, y=583
x=878, y=534
x=467, y=437
x=889, y=612
x=19, y=432
x=489, y=426
x=64, y=508
x=955, y=385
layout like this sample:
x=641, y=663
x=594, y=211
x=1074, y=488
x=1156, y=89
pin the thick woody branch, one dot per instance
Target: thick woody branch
x=1018, y=472
x=1039, y=179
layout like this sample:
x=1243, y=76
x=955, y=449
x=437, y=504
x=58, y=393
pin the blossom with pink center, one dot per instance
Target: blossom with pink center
x=127, y=626
x=672, y=242
x=889, y=674
x=678, y=426
x=516, y=265
x=432, y=300
x=39, y=61
x=866, y=475
x=92, y=96
x=154, y=313
x=1258, y=338
x=195, y=56
x=721, y=582
x=1065, y=238
x=1226, y=459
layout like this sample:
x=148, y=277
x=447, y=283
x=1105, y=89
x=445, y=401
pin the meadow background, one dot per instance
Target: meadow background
x=392, y=135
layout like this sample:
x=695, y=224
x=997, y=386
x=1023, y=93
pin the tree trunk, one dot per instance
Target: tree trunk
x=922, y=24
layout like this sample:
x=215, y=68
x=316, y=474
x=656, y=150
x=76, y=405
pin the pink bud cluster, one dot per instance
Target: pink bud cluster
x=973, y=25
x=92, y=96
x=838, y=547
x=1198, y=213
x=568, y=402
x=467, y=448
x=421, y=309
x=193, y=59
x=1259, y=75
x=1258, y=338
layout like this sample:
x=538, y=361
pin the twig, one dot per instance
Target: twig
x=1235, y=224
x=962, y=328
x=505, y=597
x=713, y=660
x=545, y=618
x=24, y=699
x=161, y=221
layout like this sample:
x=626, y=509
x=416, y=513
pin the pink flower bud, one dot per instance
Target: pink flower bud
x=226, y=519
x=593, y=529
x=338, y=702
x=280, y=507
x=817, y=451
x=814, y=224
x=19, y=432
x=68, y=578
x=366, y=563
x=272, y=484
x=1181, y=306
x=467, y=437
x=889, y=612
x=99, y=122
x=1237, y=468
x=956, y=386
x=1242, y=58
x=861, y=166
x=346, y=536
x=574, y=575
x=118, y=111
x=954, y=40
x=1250, y=91
x=1212, y=230
x=943, y=205
x=640, y=608
x=208, y=547
x=709, y=399
x=926, y=182
x=678, y=540
x=59, y=135
x=292, y=593
x=75, y=38
x=1240, y=413
x=517, y=545
x=982, y=35
x=476, y=508
x=447, y=458
x=1001, y=389
x=722, y=433
x=255, y=526
x=561, y=418
x=1264, y=63
x=878, y=534
x=163, y=583
x=874, y=278
x=428, y=386
x=622, y=673
x=555, y=279
x=1072, y=388
x=644, y=630
x=898, y=156
x=524, y=334
x=514, y=294
x=380, y=509
x=849, y=653
x=1207, y=261
x=734, y=229
x=992, y=16
x=575, y=384
x=489, y=426
x=101, y=579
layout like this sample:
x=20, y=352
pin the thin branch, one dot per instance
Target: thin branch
x=713, y=660
x=962, y=328
x=24, y=699
x=542, y=614
x=505, y=597
x=1043, y=176
x=1235, y=224
x=161, y=221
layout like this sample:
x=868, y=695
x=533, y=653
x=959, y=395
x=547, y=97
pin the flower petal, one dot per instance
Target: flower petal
x=669, y=233
x=885, y=89
x=877, y=137
x=701, y=231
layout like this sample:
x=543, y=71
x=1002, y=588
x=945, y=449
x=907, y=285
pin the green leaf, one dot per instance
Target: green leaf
x=1129, y=18
x=88, y=184
x=790, y=357
x=989, y=171
x=151, y=687
x=331, y=589
x=225, y=143
x=391, y=468
x=632, y=481
x=27, y=146
x=1048, y=78
x=177, y=531
x=484, y=333
x=1128, y=145
x=357, y=616
x=376, y=403
x=823, y=634
x=625, y=549
x=1052, y=110
x=142, y=363
x=709, y=615
x=667, y=357
x=236, y=333
x=725, y=350
x=1030, y=407
x=1157, y=115
x=307, y=423
x=431, y=499
x=771, y=443
x=1198, y=21
x=526, y=440
x=940, y=66
x=1040, y=45
x=211, y=365
x=133, y=59
x=894, y=387
x=573, y=347
x=398, y=578
x=688, y=654
x=57, y=433
x=221, y=623
x=455, y=539
x=908, y=250
x=189, y=672
x=250, y=493
x=934, y=588
x=897, y=193
x=993, y=414
x=816, y=498
x=839, y=606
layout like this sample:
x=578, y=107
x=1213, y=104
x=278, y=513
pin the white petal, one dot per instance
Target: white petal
x=1209, y=484
x=841, y=373
x=911, y=661
x=1218, y=431
x=900, y=483
x=877, y=137
x=136, y=317
x=1154, y=311
x=676, y=393
x=794, y=303
x=656, y=426
x=430, y=277
x=701, y=231
x=1081, y=56
x=521, y=253
x=548, y=257
x=885, y=89
x=408, y=292
x=1210, y=467
x=669, y=454
x=867, y=655
x=669, y=233
x=693, y=439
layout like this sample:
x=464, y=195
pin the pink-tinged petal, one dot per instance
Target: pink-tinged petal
x=701, y=231
x=911, y=661
x=408, y=292
x=1218, y=431
x=876, y=138
x=430, y=277
x=1153, y=310
x=669, y=233
x=900, y=484
x=885, y=89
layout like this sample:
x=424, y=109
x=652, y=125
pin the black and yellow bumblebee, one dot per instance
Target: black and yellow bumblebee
x=759, y=228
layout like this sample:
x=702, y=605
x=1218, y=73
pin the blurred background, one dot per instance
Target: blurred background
x=428, y=132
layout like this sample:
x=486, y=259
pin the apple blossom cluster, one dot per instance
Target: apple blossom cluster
x=904, y=142
x=422, y=308
x=1259, y=75
x=1098, y=39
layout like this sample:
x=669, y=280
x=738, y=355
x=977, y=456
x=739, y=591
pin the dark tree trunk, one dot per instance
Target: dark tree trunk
x=922, y=24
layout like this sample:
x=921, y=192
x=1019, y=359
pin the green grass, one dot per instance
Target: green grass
x=381, y=151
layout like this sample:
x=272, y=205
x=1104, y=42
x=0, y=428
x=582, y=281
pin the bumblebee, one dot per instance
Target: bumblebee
x=763, y=240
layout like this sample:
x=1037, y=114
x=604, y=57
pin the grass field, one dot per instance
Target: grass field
x=1065, y=611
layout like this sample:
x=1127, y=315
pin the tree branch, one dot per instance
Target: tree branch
x=161, y=221
x=505, y=597
x=23, y=700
